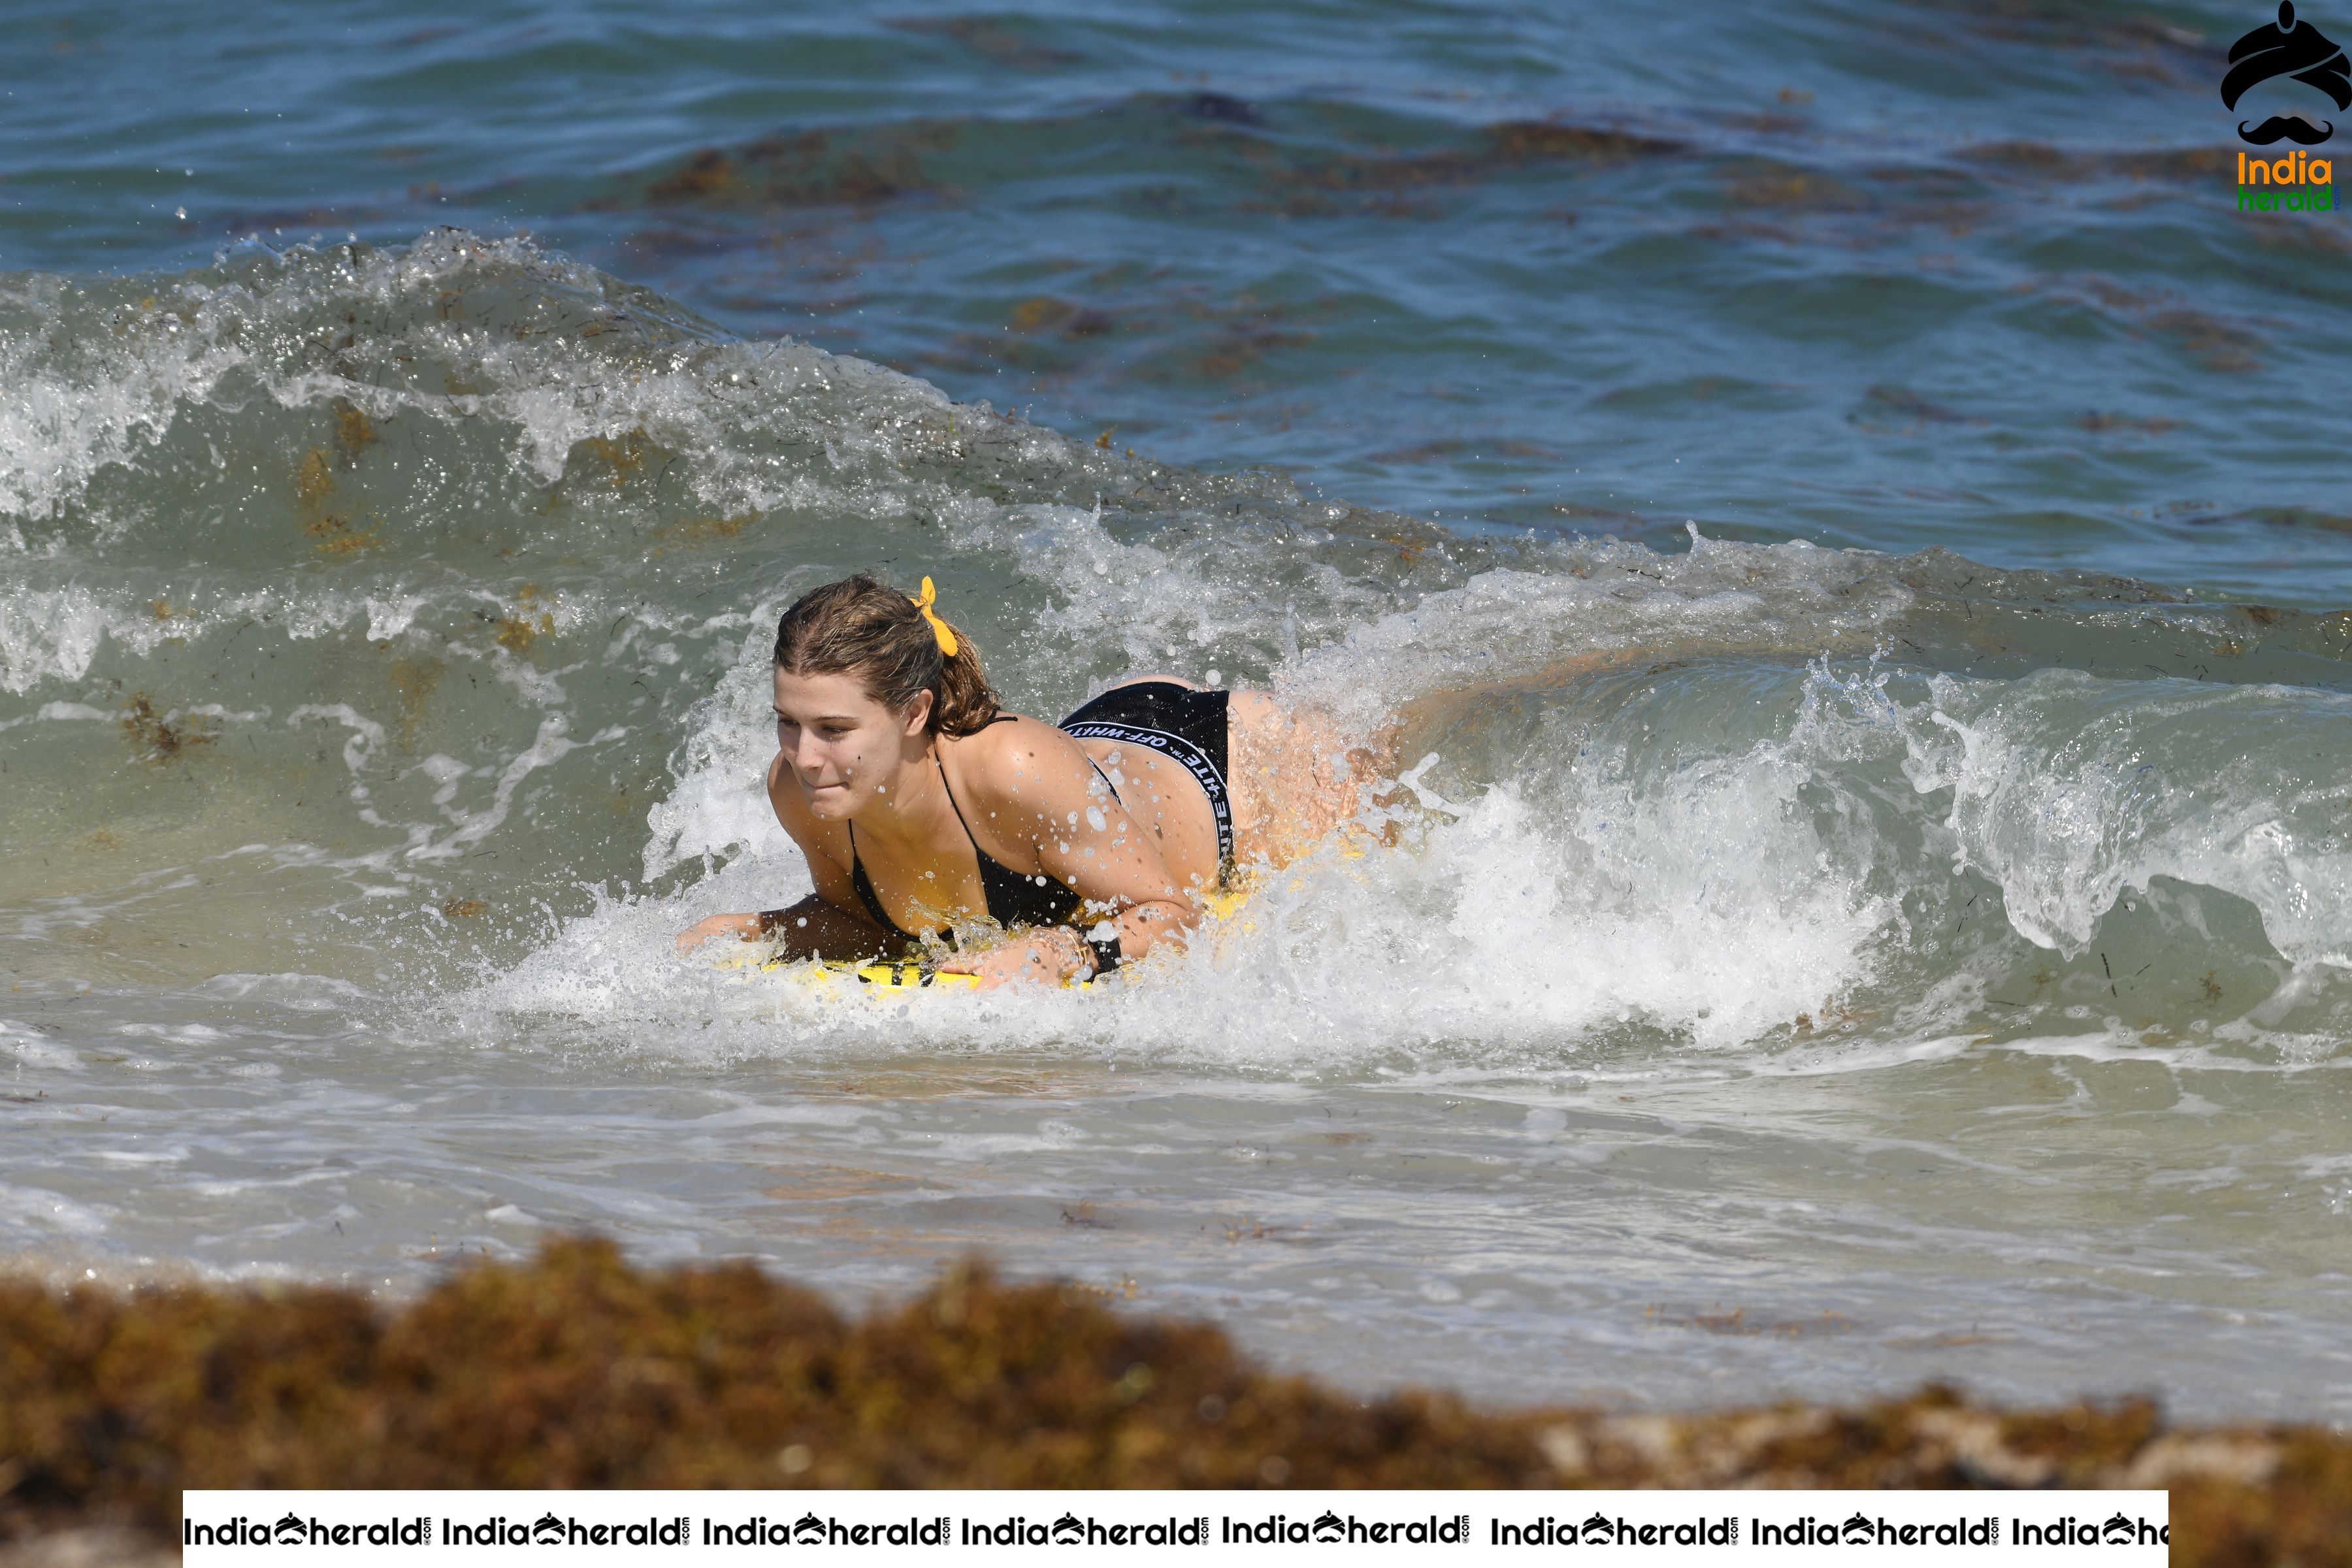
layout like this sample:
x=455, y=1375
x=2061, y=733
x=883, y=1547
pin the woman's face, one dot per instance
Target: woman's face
x=844, y=749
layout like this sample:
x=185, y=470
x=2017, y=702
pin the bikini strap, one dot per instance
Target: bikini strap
x=976, y=851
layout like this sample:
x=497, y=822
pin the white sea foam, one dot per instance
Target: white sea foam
x=2067, y=789
x=1710, y=904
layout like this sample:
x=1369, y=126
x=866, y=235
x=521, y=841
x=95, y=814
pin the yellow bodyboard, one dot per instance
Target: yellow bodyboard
x=904, y=974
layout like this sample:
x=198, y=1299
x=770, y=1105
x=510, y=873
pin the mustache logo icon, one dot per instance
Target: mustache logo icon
x=2286, y=128
x=2295, y=49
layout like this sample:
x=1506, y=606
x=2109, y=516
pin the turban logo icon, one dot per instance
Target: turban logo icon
x=2295, y=49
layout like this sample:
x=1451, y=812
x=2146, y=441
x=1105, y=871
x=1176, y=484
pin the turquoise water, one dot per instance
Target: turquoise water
x=1855, y=509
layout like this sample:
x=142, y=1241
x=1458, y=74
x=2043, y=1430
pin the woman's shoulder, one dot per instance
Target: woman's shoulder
x=1017, y=757
x=1012, y=737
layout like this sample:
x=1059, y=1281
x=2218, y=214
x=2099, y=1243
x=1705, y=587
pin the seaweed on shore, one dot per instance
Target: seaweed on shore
x=576, y=1370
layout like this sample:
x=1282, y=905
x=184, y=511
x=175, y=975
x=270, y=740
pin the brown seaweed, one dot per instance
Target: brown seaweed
x=577, y=1370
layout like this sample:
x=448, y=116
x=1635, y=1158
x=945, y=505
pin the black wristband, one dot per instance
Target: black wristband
x=1106, y=954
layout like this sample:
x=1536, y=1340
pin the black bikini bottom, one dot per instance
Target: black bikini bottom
x=1176, y=722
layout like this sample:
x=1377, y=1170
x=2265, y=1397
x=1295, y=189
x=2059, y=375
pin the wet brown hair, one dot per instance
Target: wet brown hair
x=863, y=627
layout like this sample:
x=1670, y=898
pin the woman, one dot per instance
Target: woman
x=925, y=809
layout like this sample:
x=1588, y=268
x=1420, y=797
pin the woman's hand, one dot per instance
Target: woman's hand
x=1041, y=955
x=743, y=927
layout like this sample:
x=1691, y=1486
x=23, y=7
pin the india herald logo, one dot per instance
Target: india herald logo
x=2295, y=50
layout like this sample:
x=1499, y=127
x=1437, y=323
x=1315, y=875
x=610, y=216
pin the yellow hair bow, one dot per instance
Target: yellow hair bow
x=924, y=602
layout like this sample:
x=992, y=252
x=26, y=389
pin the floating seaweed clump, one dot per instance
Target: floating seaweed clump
x=576, y=1370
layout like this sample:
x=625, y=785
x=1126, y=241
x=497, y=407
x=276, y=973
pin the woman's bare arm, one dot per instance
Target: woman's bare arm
x=814, y=927
x=826, y=924
x=1037, y=802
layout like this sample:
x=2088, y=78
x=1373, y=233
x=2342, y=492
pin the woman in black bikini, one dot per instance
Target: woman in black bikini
x=923, y=807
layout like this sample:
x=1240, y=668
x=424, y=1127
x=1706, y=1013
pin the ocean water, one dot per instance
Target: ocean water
x=1854, y=515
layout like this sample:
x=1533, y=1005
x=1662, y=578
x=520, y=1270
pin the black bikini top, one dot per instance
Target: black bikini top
x=1013, y=899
